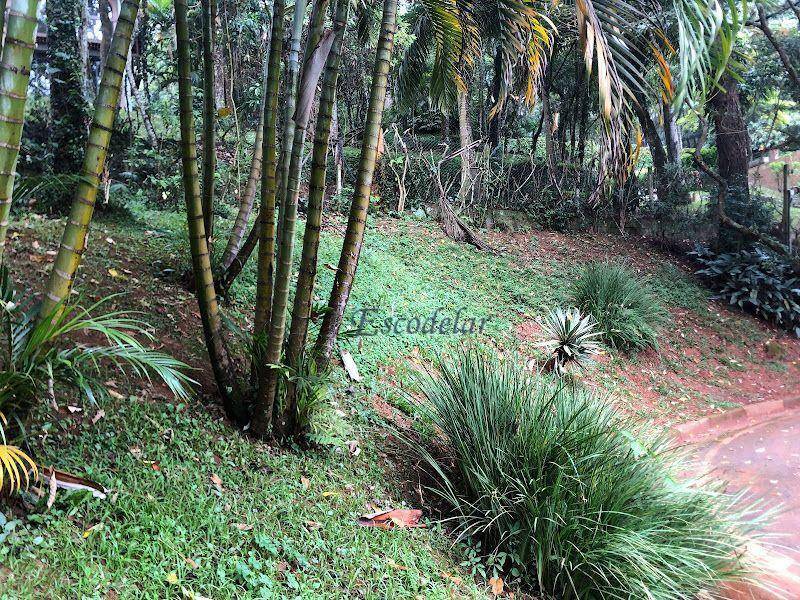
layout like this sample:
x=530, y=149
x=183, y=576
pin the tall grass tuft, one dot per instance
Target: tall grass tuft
x=626, y=310
x=557, y=484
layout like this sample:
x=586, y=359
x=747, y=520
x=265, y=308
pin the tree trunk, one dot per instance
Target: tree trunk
x=69, y=111
x=248, y=197
x=201, y=260
x=301, y=311
x=657, y=152
x=785, y=60
x=15, y=70
x=733, y=140
x=468, y=174
x=672, y=135
x=495, y=120
x=209, y=119
x=73, y=242
x=354, y=236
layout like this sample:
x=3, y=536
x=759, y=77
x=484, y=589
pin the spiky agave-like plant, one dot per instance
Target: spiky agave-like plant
x=569, y=338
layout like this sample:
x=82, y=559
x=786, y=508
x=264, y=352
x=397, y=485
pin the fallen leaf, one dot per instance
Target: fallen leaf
x=92, y=529
x=313, y=525
x=496, y=584
x=305, y=481
x=394, y=565
x=115, y=394
x=116, y=274
x=190, y=562
x=243, y=526
x=454, y=578
x=98, y=415
x=353, y=447
x=74, y=409
x=397, y=517
x=215, y=479
x=350, y=366
x=53, y=487
x=172, y=578
x=68, y=481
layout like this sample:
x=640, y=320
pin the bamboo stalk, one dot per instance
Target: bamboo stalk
x=15, y=70
x=201, y=260
x=354, y=236
x=301, y=310
x=209, y=119
x=248, y=197
x=73, y=241
x=317, y=50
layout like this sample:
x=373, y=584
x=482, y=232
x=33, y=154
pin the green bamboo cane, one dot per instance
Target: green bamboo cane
x=354, y=236
x=15, y=71
x=299, y=122
x=201, y=260
x=249, y=195
x=73, y=241
x=266, y=214
x=2, y=22
x=301, y=309
x=209, y=119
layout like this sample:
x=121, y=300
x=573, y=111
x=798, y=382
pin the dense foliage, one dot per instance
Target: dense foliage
x=755, y=281
x=563, y=492
x=626, y=310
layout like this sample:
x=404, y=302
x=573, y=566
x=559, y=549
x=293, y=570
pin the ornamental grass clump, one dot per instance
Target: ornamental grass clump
x=560, y=489
x=626, y=310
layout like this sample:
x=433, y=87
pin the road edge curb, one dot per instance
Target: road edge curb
x=730, y=417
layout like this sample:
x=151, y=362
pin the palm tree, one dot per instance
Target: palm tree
x=15, y=70
x=73, y=241
x=354, y=236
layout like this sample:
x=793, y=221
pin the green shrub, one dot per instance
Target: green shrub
x=569, y=338
x=626, y=310
x=755, y=281
x=562, y=492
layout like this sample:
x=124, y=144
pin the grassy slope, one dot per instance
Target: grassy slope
x=168, y=523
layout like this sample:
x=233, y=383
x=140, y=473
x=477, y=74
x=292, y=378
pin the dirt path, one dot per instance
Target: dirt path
x=764, y=458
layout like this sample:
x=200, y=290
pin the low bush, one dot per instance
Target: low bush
x=563, y=494
x=626, y=310
x=755, y=281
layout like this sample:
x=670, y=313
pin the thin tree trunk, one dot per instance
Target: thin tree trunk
x=201, y=260
x=73, y=242
x=2, y=22
x=209, y=119
x=672, y=135
x=141, y=107
x=467, y=153
x=15, y=70
x=248, y=197
x=354, y=236
x=301, y=311
x=303, y=100
x=785, y=60
x=657, y=152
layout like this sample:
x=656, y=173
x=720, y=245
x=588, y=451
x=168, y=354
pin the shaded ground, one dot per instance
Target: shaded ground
x=763, y=458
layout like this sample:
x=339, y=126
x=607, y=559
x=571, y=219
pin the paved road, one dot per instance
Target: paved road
x=764, y=457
